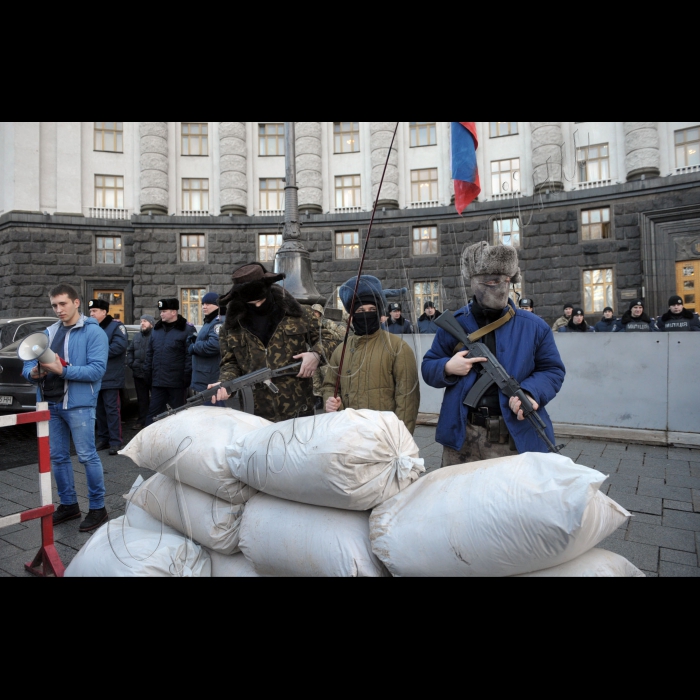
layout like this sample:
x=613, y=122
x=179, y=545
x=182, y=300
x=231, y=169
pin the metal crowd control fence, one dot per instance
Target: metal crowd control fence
x=47, y=561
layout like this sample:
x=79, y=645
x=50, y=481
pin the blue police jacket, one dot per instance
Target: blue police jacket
x=206, y=355
x=526, y=348
x=168, y=361
x=115, y=376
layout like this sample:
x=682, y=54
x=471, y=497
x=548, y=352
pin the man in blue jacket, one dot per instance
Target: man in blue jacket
x=109, y=413
x=636, y=320
x=168, y=367
x=397, y=324
x=522, y=342
x=204, y=347
x=70, y=385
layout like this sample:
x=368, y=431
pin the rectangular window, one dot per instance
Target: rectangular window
x=193, y=247
x=195, y=138
x=268, y=245
x=424, y=185
x=595, y=224
x=195, y=194
x=272, y=194
x=271, y=141
x=191, y=305
x=426, y=290
x=109, y=250
x=423, y=134
x=348, y=192
x=687, y=147
x=347, y=245
x=109, y=192
x=505, y=176
x=598, y=290
x=425, y=240
x=506, y=232
x=593, y=163
x=503, y=129
x=109, y=136
x=346, y=137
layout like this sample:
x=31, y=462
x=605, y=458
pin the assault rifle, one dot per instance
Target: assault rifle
x=493, y=372
x=243, y=384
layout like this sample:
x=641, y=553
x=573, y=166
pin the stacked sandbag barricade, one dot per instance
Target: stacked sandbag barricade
x=340, y=494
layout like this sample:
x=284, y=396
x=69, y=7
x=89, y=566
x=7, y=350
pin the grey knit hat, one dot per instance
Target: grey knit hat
x=150, y=319
x=484, y=259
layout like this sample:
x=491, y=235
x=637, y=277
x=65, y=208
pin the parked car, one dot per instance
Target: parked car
x=13, y=329
x=17, y=394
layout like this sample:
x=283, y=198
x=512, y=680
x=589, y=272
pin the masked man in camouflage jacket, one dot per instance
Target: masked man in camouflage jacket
x=266, y=327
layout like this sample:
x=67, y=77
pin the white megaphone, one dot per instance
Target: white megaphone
x=36, y=347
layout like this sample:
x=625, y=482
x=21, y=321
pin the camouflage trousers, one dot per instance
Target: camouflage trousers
x=477, y=448
x=319, y=377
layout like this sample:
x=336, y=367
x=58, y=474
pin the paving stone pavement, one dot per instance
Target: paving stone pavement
x=659, y=485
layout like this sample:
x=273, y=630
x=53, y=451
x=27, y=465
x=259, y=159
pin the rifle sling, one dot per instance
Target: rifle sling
x=478, y=335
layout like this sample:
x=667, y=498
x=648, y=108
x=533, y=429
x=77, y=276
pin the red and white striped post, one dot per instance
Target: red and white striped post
x=46, y=562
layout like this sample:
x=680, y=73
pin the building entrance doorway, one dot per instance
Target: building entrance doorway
x=115, y=299
x=687, y=280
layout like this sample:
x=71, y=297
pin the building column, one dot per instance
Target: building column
x=547, y=142
x=233, y=154
x=642, y=155
x=154, y=167
x=309, y=166
x=381, y=134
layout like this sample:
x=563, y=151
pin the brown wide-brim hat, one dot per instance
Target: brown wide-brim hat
x=255, y=272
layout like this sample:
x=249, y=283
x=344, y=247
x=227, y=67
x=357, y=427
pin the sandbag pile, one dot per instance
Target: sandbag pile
x=500, y=517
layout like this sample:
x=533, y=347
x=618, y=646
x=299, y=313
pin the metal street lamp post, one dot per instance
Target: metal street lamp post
x=292, y=258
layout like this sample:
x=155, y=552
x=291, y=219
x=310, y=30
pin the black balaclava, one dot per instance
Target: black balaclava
x=368, y=323
x=264, y=309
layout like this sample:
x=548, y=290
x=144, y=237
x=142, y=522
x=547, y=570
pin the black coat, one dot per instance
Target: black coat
x=115, y=376
x=136, y=356
x=168, y=362
x=684, y=321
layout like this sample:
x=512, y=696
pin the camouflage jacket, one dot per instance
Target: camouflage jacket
x=242, y=352
x=379, y=373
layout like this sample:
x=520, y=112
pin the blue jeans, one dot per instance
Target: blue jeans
x=78, y=423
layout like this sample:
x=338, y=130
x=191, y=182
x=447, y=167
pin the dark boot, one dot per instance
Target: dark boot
x=65, y=513
x=94, y=519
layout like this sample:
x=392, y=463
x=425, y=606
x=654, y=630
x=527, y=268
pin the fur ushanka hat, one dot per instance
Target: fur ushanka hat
x=484, y=259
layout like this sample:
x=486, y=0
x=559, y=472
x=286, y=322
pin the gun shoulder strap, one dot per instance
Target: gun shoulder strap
x=478, y=335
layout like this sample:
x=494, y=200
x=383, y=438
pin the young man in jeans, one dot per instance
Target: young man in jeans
x=70, y=385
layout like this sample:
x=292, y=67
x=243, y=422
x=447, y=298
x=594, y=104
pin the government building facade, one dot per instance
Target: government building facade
x=602, y=212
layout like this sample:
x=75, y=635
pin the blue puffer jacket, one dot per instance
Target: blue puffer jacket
x=427, y=324
x=206, y=355
x=85, y=350
x=526, y=348
x=115, y=376
x=400, y=327
x=168, y=362
x=643, y=324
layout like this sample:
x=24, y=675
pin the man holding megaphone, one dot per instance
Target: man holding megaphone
x=67, y=362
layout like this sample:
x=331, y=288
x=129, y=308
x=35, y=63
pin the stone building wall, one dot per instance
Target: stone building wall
x=37, y=252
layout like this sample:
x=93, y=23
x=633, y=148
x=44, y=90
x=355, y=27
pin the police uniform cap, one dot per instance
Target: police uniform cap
x=394, y=306
x=675, y=299
x=165, y=304
x=98, y=304
x=526, y=303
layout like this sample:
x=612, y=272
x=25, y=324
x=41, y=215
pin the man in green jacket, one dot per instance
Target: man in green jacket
x=379, y=371
x=266, y=327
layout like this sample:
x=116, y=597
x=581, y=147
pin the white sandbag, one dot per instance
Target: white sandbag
x=118, y=550
x=234, y=566
x=598, y=563
x=353, y=460
x=208, y=520
x=283, y=538
x=499, y=517
x=190, y=447
x=141, y=520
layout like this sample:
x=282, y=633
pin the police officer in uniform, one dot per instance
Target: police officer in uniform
x=108, y=412
x=607, y=323
x=677, y=318
x=168, y=367
x=204, y=347
x=636, y=320
x=527, y=305
x=397, y=324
